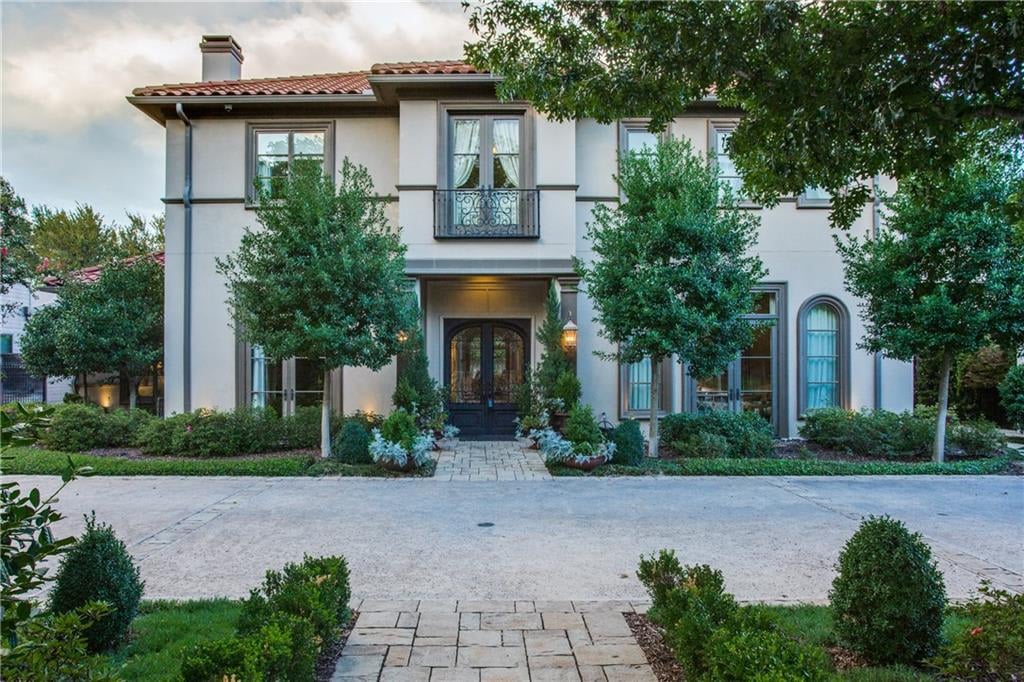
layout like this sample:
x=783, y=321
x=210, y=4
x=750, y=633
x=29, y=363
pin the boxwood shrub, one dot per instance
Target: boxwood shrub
x=629, y=443
x=352, y=444
x=209, y=433
x=98, y=567
x=746, y=434
x=888, y=598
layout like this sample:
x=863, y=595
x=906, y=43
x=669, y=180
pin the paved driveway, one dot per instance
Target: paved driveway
x=775, y=539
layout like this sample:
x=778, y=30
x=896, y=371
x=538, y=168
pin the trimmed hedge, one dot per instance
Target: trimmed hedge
x=282, y=629
x=880, y=433
x=739, y=434
x=209, y=433
x=629, y=443
x=75, y=427
x=352, y=444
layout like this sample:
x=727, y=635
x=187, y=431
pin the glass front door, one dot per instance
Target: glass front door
x=485, y=364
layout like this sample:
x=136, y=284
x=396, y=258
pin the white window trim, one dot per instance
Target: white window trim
x=252, y=128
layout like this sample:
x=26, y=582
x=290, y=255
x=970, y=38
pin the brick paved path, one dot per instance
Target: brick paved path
x=493, y=641
x=490, y=461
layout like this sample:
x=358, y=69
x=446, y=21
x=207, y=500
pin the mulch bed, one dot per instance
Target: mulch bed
x=136, y=453
x=649, y=637
x=329, y=656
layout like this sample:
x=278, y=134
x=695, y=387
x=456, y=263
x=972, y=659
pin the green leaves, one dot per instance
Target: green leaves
x=324, y=276
x=829, y=95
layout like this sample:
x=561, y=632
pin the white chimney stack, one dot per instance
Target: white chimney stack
x=222, y=58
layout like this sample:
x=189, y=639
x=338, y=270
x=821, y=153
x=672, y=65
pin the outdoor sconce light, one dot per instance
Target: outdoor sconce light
x=569, y=330
x=402, y=337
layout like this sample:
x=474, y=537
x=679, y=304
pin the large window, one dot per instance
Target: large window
x=824, y=354
x=277, y=149
x=635, y=387
x=718, y=145
x=635, y=136
x=283, y=386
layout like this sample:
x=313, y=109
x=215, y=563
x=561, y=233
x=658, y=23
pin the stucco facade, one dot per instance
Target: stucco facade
x=400, y=129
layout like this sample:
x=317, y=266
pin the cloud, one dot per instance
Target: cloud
x=67, y=69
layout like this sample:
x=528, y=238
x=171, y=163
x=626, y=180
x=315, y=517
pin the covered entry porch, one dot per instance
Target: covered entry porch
x=481, y=342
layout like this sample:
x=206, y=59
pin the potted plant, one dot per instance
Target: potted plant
x=582, y=446
x=398, y=446
x=565, y=395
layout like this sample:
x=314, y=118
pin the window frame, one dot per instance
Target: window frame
x=715, y=127
x=803, y=201
x=842, y=350
x=628, y=125
x=254, y=128
x=449, y=111
x=626, y=412
x=243, y=379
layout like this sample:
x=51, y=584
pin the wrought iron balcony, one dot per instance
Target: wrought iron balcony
x=486, y=214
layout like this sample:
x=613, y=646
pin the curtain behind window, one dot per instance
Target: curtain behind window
x=821, y=337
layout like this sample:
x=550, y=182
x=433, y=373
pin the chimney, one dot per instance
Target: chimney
x=222, y=58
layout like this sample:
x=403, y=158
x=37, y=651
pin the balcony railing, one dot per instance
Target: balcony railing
x=486, y=214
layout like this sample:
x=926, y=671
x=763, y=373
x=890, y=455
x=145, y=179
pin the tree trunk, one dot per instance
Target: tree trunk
x=85, y=387
x=939, y=450
x=655, y=393
x=325, y=417
x=133, y=392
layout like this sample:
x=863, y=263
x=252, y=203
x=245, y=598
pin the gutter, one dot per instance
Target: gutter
x=876, y=226
x=186, y=198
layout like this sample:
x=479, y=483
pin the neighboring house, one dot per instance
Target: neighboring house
x=493, y=200
x=15, y=382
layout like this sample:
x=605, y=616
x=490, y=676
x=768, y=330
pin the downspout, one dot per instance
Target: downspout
x=876, y=226
x=186, y=198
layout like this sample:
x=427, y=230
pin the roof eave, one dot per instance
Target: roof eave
x=151, y=104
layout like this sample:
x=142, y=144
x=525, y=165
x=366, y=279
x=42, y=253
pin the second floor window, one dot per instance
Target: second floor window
x=485, y=169
x=279, y=149
x=726, y=167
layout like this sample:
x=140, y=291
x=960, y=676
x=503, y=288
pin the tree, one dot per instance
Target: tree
x=17, y=263
x=554, y=363
x=65, y=241
x=138, y=237
x=673, y=275
x=946, y=275
x=833, y=93
x=324, y=277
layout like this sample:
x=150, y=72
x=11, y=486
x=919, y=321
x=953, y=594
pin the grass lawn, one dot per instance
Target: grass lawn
x=813, y=625
x=164, y=629
x=790, y=467
x=26, y=461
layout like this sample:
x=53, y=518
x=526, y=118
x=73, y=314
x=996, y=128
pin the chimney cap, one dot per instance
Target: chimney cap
x=221, y=43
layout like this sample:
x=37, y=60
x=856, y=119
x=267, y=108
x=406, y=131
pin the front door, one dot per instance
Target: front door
x=485, y=364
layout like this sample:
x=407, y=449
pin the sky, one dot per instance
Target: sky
x=67, y=134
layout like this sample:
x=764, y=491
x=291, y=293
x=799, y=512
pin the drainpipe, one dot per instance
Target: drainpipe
x=186, y=197
x=876, y=226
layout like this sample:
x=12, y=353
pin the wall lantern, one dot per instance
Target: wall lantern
x=403, y=336
x=569, y=330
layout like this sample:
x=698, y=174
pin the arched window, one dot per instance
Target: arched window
x=824, y=341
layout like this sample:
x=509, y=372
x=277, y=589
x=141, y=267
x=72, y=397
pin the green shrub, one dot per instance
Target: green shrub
x=302, y=430
x=567, y=389
x=581, y=428
x=689, y=602
x=758, y=651
x=747, y=434
x=79, y=427
x=629, y=443
x=209, y=433
x=229, y=658
x=702, y=445
x=316, y=591
x=991, y=644
x=400, y=427
x=888, y=597
x=288, y=648
x=53, y=647
x=99, y=568
x=1011, y=396
x=352, y=444
x=405, y=396
x=369, y=420
x=979, y=438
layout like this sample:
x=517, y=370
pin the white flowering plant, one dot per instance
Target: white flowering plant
x=558, y=450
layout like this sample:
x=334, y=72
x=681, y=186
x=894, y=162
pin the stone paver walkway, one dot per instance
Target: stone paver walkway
x=486, y=460
x=493, y=641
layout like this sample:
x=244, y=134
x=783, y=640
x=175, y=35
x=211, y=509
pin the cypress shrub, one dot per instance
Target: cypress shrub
x=629, y=443
x=352, y=444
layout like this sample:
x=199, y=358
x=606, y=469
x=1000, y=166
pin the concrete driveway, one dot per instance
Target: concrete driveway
x=776, y=539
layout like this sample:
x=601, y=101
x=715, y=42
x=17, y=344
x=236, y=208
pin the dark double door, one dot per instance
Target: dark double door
x=485, y=364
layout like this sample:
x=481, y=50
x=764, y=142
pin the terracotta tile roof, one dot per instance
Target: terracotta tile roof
x=426, y=68
x=353, y=83
x=93, y=272
x=350, y=83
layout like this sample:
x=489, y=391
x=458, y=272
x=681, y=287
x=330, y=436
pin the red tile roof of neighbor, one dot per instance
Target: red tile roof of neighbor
x=350, y=83
x=93, y=272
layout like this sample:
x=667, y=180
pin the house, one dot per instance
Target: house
x=493, y=199
x=16, y=384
